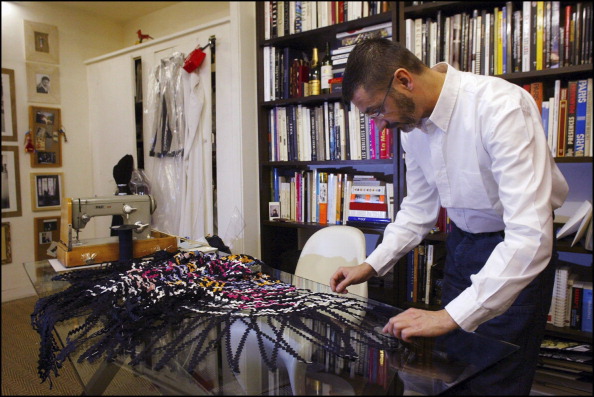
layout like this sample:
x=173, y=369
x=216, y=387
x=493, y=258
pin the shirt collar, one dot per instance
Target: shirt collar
x=442, y=113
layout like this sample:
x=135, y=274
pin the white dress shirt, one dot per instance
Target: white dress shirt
x=482, y=154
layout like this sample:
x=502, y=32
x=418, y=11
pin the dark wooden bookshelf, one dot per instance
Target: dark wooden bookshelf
x=280, y=239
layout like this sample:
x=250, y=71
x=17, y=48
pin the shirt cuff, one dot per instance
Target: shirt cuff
x=380, y=261
x=466, y=312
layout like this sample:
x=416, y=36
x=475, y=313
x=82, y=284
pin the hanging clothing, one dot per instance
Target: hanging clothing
x=181, y=149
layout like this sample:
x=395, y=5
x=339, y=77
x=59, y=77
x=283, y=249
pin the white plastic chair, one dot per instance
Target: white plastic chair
x=324, y=252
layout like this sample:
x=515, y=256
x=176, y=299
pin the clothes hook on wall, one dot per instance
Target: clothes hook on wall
x=196, y=57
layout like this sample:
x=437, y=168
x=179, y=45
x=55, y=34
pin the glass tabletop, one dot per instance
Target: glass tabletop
x=428, y=366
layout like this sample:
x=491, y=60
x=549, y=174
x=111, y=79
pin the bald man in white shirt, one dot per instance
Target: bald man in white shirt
x=474, y=145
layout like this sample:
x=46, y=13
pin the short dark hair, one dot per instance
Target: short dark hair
x=372, y=62
x=45, y=78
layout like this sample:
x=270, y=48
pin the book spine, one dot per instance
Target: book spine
x=547, y=35
x=429, y=265
x=587, y=310
x=575, y=318
x=589, y=140
x=580, y=120
x=539, y=35
x=509, y=34
x=526, y=35
x=562, y=123
x=537, y=92
x=410, y=275
x=323, y=198
x=555, y=34
x=571, y=114
x=567, y=36
x=533, y=33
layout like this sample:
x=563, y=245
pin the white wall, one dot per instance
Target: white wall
x=83, y=36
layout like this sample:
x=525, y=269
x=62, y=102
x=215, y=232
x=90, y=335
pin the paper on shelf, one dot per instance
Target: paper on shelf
x=578, y=222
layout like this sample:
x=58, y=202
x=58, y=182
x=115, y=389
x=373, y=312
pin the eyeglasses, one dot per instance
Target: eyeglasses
x=380, y=112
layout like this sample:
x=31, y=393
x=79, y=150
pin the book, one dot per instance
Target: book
x=587, y=307
x=575, y=315
x=537, y=92
x=571, y=114
x=555, y=34
x=323, y=197
x=589, y=140
x=562, y=123
x=559, y=299
x=580, y=118
x=571, y=280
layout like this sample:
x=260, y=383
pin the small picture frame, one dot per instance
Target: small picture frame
x=11, y=182
x=47, y=190
x=43, y=83
x=45, y=133
x=46, y=230
x=274, y=210
x=9, y=117
x=41, y=42
x=6, y=248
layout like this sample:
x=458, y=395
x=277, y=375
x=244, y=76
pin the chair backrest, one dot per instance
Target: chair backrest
x=328, y=249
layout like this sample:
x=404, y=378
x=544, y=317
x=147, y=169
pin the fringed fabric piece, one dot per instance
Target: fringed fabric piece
x=129, y=308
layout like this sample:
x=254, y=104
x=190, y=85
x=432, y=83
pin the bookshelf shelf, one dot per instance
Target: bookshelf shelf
x=328, y=163
x=283, y=239
x=318, y=37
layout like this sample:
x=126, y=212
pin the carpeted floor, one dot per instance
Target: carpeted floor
x=20, y=349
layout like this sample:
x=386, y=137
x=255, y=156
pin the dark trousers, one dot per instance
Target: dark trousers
x=523, y=324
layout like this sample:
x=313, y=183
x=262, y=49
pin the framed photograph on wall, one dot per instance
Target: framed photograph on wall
x=11, y=182
x=6, y=248
x=9, y=123
x=41, y=42
x=46, y=230
x=43, y=83
x=44, y=126
x=47, y=190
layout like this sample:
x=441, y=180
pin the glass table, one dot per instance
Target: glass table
x=429, y=366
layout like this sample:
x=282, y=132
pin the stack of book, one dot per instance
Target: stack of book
x=369, y=199
x=571, y=305
x=350, y=38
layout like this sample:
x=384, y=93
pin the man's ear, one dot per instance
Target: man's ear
x=404, y=78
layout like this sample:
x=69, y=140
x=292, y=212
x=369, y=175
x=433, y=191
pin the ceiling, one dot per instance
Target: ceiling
x=119, y=11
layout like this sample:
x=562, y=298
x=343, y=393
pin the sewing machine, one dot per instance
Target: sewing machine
x=134, y=209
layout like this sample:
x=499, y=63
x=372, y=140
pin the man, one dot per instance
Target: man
x=474, y=145
x=44, y=85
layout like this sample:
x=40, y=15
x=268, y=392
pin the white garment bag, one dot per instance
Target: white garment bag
x=181, y=169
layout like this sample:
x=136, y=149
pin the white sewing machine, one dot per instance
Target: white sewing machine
x=134, y=209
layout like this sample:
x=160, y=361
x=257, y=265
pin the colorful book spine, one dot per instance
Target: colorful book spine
x=323, y=197
x=589, y=139
x=580, y=120
x=587, y=308
x=562, y=123
x=571, y=114
x=539, y=35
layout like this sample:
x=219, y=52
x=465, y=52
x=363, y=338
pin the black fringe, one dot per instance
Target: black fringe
x=138, y=309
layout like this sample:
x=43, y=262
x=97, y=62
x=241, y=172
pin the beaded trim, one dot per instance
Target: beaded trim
x=129, y=309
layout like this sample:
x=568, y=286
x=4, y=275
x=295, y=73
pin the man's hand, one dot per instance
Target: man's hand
x=416, y=322
x=346, y=276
